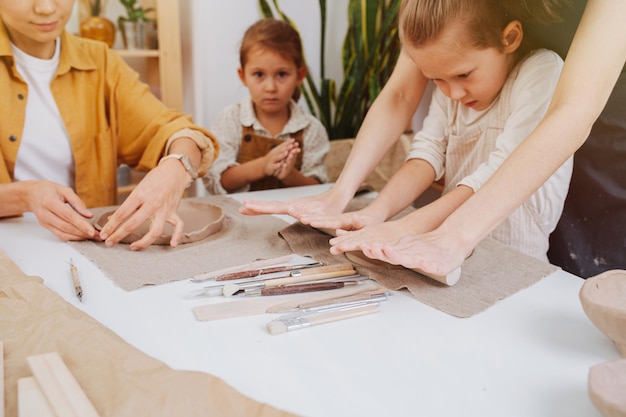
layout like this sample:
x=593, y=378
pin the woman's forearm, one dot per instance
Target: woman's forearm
x=385, y=121
x=14, y=198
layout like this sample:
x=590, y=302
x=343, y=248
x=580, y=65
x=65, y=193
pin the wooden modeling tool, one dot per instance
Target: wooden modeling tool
x=279, y=304
x=269, y=270
x=291, y=323
x=59, y=386
x=332, y=271
x=261, y=263
x=300, y=288
x=368, y=287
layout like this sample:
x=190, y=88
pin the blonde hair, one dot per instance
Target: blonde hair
x=276, y=36
x=421, y=21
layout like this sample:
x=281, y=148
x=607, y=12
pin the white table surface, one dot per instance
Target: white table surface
x=528, y=355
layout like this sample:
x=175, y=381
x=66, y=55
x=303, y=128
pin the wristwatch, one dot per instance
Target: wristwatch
x=188, y=164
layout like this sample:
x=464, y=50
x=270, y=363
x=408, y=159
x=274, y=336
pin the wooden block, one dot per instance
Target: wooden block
x=1, y=380
x=30, y=400
x=60, y=387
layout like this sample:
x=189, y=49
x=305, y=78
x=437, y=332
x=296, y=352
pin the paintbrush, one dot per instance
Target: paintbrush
x=261, y=263
x=287, y=324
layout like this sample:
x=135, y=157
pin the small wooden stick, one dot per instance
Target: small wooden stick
x=30, y=400
x=1, y=380
x=288, y=324
x=60, y=387
x=76, y=281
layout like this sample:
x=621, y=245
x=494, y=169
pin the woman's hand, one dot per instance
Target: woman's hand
x=354, y=220
x=276, y=158
x=436, y=252
x=331, y=202
x=379, y=233
x=59, y=210
x=156, y=198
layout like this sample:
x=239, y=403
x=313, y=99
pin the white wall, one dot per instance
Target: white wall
x=212, y=31
x=212, y=34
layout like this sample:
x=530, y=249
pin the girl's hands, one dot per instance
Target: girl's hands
x=280, y=161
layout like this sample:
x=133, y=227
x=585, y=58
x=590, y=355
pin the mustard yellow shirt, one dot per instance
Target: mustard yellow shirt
x=111, y=117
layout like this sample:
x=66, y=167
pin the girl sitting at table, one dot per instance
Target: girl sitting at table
x=491, y=92
x=267, y=141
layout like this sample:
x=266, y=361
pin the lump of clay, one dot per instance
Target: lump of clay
x=607, y=385
x=201, y=221
x=603, y=298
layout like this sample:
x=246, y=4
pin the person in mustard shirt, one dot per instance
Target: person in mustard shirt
x=73, y=111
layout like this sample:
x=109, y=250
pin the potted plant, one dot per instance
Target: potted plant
x=370, y=50
x=138, y=30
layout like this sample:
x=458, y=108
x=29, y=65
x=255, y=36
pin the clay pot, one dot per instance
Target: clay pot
x=98, y=28
x=603, y=298
x=607, y=385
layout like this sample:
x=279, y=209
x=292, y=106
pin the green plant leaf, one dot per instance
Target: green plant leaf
x=369, y=52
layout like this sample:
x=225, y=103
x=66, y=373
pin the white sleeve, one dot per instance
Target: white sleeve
x=430, y=143
x=316, y=146
x=529, y=100
x=227, y=130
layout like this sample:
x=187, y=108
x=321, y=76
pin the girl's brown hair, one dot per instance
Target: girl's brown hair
x=421, y=21
x=276, y=36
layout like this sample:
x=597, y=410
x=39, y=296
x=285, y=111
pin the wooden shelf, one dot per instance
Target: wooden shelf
x=164, y=65
x=138, y=53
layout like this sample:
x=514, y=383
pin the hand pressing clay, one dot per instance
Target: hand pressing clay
x=201, y=221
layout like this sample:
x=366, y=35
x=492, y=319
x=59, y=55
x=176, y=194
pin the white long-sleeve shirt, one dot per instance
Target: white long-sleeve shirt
x=466, y=146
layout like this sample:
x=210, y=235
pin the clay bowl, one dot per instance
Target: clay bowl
x=603, y=298
x=607, y=385
x=201, y=221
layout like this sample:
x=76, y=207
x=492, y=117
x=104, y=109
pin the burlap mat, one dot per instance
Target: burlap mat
x=492, y=273
x=119, y=380
x=241, y=240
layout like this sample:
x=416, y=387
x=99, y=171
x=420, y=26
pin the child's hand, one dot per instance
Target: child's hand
x=274, y=158
x=287, y=165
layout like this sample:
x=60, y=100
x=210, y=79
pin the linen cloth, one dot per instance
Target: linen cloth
x=242, y=239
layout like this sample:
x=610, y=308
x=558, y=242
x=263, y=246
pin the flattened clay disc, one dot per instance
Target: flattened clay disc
x=201, y=221
x=607, y=385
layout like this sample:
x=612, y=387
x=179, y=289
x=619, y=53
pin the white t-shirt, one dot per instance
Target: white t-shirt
x=45, y=152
